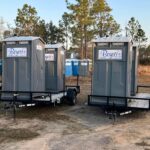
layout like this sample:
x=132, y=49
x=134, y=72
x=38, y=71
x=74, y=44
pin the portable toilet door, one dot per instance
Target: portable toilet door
x=68, y=67
x=23, y=65
x=75, y=67
x=84, y=67
x=54, y=67
x=112, y=69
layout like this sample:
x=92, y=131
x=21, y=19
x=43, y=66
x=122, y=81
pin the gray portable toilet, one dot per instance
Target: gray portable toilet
x=135, y=54
x=54, y=67
x=112, y=69
x=23, y=65
x=84, y=67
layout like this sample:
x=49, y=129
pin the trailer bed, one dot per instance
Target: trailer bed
x=140, y=100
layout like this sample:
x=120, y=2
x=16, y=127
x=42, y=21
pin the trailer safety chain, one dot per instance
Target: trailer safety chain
x=111, y=112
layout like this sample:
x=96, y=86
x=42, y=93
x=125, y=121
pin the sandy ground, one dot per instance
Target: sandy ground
x=79, y=127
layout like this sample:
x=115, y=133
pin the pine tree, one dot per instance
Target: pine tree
x=90, y=18
x=105, y=25
x=65, y=27
x=135, y=31
x=82, y=22
x=26, y=20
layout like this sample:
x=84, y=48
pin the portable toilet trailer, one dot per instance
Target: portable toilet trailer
x=54, y=67
x=135, y=54
x=84, y=67
x=23, y=65
x=112, y=71
x=68, y=68
x=75, y=67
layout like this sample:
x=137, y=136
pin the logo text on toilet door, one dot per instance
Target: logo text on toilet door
x=110, y=54
x=17, y=52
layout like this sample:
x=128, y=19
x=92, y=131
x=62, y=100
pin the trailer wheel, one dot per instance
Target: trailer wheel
x=71, y=97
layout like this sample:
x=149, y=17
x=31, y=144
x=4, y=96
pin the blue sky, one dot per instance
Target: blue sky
x=123, y=10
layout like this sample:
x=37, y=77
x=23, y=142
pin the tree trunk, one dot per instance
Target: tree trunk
x=81, y=48
x=66, y=38
x=85, y=42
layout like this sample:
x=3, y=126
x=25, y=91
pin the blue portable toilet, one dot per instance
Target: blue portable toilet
x=75, y=67
x=68, y=67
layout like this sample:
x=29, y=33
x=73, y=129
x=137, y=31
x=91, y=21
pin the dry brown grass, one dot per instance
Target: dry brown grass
x=144, y=70
x=144, y=78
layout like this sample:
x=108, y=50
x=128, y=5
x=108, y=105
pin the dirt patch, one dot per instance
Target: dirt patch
x=83, y=127
x=8, y=134
x=75, y=127
x=42, y=113
x=143, y=143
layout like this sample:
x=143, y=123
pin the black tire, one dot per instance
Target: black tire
x=71, y=97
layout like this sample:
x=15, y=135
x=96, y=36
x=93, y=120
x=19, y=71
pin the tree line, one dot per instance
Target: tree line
x=85, y=20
